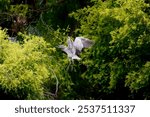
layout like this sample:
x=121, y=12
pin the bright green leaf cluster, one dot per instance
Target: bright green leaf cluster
x=26, y=68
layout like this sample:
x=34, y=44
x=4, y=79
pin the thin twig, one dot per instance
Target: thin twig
x=57, y=83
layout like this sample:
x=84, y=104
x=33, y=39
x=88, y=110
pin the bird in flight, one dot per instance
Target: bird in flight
x=75, y=47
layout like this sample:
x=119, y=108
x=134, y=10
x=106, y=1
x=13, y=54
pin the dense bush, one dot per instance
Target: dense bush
x=29, y=70
x=118, y=64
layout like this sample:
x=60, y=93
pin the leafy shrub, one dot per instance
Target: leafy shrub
x=28, y=70
x=119, y=60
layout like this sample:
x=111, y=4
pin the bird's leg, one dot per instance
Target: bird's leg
x=71, y=62
x=68, y=66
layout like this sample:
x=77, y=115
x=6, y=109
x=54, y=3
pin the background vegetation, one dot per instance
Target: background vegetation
x=116, y=67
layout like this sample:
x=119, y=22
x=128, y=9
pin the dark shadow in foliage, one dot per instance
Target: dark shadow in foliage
x=6, y=96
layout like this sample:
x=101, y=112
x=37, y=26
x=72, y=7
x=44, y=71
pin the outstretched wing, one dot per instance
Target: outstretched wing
x=64, y=48
x=81, y=42
x=86, y=42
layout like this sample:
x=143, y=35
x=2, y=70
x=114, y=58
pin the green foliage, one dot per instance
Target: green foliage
x=55, y=37
x=19, y=10
x=28, y=70
x=55, y=13
x=59, y=10
x=120, y=56
x=4, y=4
x=140, y=79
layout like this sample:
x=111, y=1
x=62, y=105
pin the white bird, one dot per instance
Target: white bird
x=74, y=48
